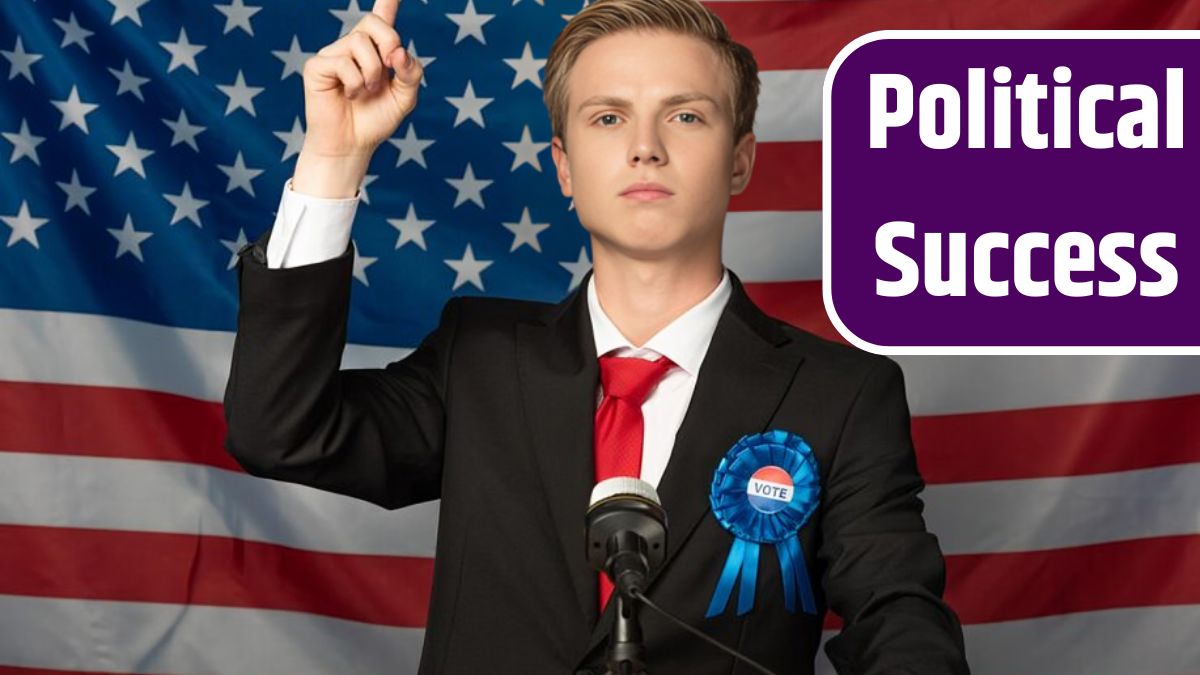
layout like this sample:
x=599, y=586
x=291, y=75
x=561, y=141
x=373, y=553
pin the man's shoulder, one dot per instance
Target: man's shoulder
x=476, y=314
x=836, y=359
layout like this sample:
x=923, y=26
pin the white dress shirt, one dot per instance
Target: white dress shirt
x=311, y=229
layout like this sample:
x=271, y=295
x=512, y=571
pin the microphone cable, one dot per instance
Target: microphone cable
x=700, y=634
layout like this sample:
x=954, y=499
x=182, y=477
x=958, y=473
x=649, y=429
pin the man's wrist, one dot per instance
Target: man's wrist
x=330, y=177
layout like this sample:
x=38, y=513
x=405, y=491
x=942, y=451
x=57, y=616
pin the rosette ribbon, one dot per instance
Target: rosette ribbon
x=758, y=465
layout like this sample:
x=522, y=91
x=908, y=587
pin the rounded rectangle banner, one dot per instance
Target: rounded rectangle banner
x=995, y=192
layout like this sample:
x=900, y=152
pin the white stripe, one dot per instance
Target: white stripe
x=764, y=246
x=1047, y=513
x=69, y=348
x=789, y=105
x=154, y=496
x=167, y=638
x=1142, y=640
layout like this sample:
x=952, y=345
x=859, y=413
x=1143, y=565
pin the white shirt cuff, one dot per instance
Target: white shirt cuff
x=309, y=229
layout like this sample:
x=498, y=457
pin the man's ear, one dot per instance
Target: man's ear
x=743, y=163
x=562, y=168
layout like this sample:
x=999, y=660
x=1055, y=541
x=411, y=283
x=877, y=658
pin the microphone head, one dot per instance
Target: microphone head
x=625, y=512
x=623, y=486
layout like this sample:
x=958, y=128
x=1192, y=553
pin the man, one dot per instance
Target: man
x=655, y=367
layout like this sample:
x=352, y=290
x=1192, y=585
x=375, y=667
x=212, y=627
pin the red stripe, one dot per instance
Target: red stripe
x=790, y=34
x=64, y=419
x=786, y=177
x=1059, y=441
x=96, y=564
x=14, y=670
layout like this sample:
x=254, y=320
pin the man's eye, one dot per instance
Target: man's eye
x=609, y=117
x=688, y=118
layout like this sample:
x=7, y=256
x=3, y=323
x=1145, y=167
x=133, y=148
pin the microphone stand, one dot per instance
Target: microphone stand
x=626, y=651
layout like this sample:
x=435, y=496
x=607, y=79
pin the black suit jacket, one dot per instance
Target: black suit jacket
x=492, y=413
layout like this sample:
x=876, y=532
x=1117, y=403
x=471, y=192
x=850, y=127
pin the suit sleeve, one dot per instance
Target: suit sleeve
x=884, y=573
x=293, y=415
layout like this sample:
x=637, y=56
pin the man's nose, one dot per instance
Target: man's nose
x=647, y=146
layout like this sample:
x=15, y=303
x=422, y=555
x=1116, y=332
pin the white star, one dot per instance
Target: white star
x=234, y=246
x=469, y=187
x=470, y=23
x=183, y=53
x=186, y=206
x=578, y=269
x=129, y=240
x=24, y=226
x=349, y=16
x=127, y=9
x=77, y=193
x=425, y=60
x=362, y=187
x=240, y=95
x=237, y=15
x=183, y=131
x=293, y=140
x=24, y=144
x=127, y=81
x=361, y=263
x=411, y=228
x=525, y=151
x=74, y=34
x=74, y=111
x=526, y=232
x=540, y=2
x=21, y=61
x=411, y=147
x=130, y=156
x=470, y=106
x=293, y=59
x=468, y=269
x=239, y=175
x=527, y=68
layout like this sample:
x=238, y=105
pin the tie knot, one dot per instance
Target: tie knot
x=631, y=379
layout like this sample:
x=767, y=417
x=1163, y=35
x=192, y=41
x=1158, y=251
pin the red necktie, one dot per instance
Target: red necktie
x=619, y=425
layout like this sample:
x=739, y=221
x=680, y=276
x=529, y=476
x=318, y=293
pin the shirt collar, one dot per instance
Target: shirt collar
x=685, y=340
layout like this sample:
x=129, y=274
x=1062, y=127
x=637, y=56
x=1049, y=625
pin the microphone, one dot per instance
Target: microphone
x=626, y=532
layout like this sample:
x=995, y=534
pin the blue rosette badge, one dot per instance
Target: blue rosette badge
x=764, y=490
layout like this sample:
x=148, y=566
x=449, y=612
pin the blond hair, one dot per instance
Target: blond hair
x=686, y=17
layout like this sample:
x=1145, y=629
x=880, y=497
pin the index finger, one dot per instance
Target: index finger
x=386, y=10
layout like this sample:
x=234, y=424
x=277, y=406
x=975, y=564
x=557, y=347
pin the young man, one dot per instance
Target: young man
x=655, y=367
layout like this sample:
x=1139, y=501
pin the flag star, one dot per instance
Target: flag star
x=74, y=34
x=240, y=95
x=127, y=9
x=469, y=106
x=234, y=246
x=361, y=263
x=74, y=111
x=129, y=240
x=130, y=156
x=293, y=59
x=525, y=151
x=293, y=140
x=527, y=68
x=425, y=60
x=470, y=23
x=24, y=144
x=469, y=187
x=183, y=53
x=186, y=206
x=526, y=232
x=127, y=81
x=411, y=228
x=468, y=269
x=183, y=131
x=578, y=269
x=237, y=15
x=77, y=193
x=24, y=226
x=540, y=2
x=349, y=16
x=362, y=187
x=21, y=61
x=239, y=175
x=411, y=147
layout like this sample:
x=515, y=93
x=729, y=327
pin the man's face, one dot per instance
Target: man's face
x=651, y=107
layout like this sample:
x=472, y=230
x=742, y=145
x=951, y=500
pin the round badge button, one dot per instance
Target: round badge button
x=770, y=489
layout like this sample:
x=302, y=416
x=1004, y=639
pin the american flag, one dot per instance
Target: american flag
x=145, y=141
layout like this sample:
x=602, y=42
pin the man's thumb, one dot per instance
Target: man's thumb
x=408, y=72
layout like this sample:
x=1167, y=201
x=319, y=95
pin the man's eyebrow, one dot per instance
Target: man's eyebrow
x=676, y=99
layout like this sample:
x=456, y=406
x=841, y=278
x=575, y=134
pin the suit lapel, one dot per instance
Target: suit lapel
x=743, y=378
x=559, y=373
